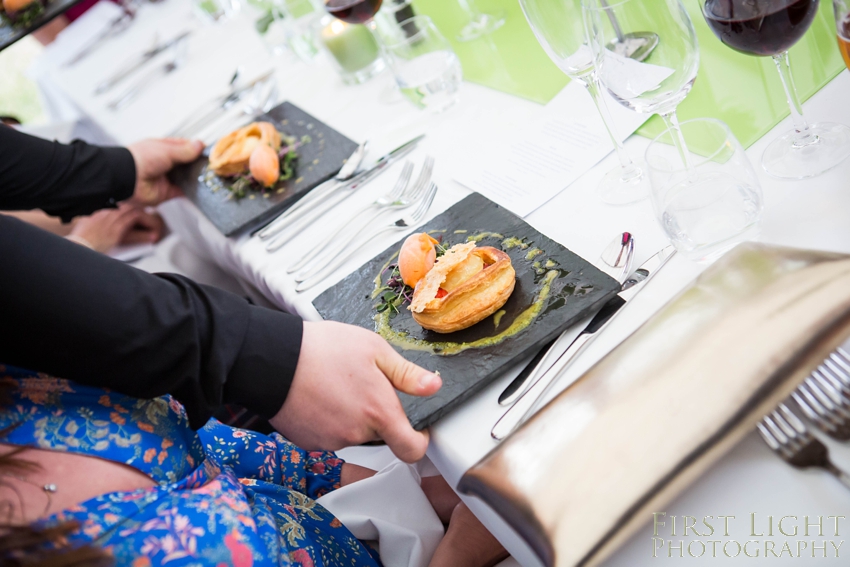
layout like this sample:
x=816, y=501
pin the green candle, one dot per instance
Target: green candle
x=352, y=45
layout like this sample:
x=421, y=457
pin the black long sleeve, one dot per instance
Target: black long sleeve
x=64, y=180
x=76, y=314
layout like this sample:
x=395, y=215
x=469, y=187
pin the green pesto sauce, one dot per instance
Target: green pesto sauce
x=379, y=285
x=482, y=235
x=497, y=317
x=513, y=242
x=550, y=263
x=532, y=253
x=461, y=231
x=446, y=348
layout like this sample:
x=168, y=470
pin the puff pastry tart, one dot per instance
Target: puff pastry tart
x=230, y=155
x=466, y=285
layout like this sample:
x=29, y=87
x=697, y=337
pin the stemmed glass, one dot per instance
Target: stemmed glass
x=479, y=23
x=842, y=21
x=771, y=27
x=354, y=11
x=660, y=82
x=558, y=26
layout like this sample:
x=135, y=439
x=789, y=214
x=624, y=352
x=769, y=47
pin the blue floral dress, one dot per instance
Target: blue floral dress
x=224, y=496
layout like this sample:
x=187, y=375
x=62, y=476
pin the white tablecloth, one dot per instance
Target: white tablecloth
x=808, y=214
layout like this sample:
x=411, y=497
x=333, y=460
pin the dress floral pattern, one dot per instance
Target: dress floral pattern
x=224, y=496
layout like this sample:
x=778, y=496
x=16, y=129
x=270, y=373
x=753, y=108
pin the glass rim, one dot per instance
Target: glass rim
x=418, y=18
x=704, y=159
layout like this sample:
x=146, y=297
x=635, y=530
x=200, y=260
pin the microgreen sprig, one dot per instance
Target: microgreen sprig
x=397, y=292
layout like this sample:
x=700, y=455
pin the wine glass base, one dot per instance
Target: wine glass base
x=479, y=25
x=624, y=185
x=784, y=160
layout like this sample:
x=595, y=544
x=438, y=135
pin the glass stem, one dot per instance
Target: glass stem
x=593, y=87
x=471, y=10
x=804, y=136
x=672, y=123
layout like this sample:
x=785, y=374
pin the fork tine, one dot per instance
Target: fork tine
x=837, y=371
x=793, y=420
x=826, y=376
x=423, y=207
x=823, y=390
x=825, y=409
x=768, y=437
x=415, y=192
x=424, y=177
x=770, y=422
x=403, y=180
x=781, y=430
x=842, y=358
x=836, y=403
x=812, y=399
x=804, y=405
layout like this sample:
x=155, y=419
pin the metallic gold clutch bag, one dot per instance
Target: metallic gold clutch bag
x=590, y=468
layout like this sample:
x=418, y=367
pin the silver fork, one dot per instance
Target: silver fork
x=824, y=397
x=280, y=239
x=398, y=198
x=402, y=223
x=788, y=436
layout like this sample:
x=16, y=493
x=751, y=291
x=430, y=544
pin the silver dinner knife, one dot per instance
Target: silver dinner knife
x=617, y=263
x=137, y=63
x=346, y=172
x=343, y=190
x=115, y=26
x=525, y=405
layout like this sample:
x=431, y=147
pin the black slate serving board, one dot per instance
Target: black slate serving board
x=318, y=161
x=9, y=34
x=576, y=291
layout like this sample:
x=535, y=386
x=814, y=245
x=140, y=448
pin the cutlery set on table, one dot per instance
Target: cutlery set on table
x=824, y=399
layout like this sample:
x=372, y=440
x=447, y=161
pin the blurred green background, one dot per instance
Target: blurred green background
x=744, y=91
x=19, y=95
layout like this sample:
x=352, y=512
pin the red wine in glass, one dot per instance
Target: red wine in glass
x=760, y=27
x=353, y=11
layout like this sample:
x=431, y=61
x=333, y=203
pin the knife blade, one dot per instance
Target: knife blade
x=360, y=179
x=213, y=107
x=115, y=26
x=525, y=405
x=619, y=270
x=137, y=63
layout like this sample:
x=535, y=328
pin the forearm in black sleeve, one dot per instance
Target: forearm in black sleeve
x=73, y=313
x=64, y=180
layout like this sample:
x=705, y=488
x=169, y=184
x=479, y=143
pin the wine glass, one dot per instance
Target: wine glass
x=354, y=11
x=771, y=27
x=662, y=80
x=558, y=26
x=479, y=23
x=842, y=21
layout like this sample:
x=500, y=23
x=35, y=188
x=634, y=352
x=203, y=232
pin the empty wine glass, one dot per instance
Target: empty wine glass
x=662, y=80
x=770, y=28
x=558, y=26
x=715, y=205
x=479, y=23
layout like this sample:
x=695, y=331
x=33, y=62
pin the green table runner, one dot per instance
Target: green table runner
x=743, y=91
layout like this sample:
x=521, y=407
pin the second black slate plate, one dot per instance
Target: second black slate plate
x=9, y=33
x=575, y=289
x=318, y=161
